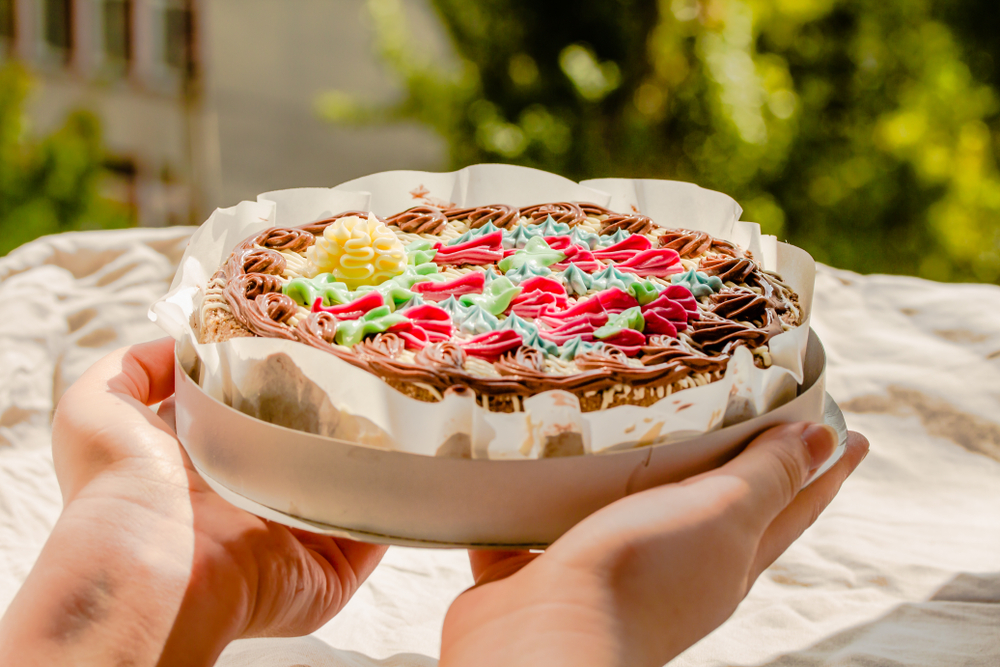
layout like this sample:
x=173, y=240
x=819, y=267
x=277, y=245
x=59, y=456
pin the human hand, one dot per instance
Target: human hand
x=649, y=575
x=144, y=538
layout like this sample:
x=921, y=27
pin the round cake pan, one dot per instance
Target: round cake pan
x=335, y=487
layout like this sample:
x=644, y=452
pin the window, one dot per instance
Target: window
x=116, y=24
x=177, y=36
x=8, y=30
x=57, y=27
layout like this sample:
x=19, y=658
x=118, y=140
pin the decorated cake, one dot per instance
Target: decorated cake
x=506, y=302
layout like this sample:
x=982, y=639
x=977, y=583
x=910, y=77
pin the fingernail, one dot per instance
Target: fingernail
x=820, y=440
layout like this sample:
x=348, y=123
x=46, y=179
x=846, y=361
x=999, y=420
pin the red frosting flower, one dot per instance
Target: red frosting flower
x=611, y=300
x=471, y=282
x=492, y=344
x=582, y=257
x=628, y=341
x=670, y=311
x=352, y=310
x=660, y=262
x=624, y=249
x=485, y=249
x=581, y=326
x=435, y=321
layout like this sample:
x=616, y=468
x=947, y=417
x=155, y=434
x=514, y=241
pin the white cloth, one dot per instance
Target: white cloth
x=902, y=569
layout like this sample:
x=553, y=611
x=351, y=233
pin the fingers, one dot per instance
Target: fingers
x=807, y=506
x=350, y=562
x=491, y=565
x=775, y=465
x=144, y=371
x=101, y=420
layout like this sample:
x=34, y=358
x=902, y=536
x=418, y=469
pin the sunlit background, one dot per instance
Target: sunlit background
x=866, y=132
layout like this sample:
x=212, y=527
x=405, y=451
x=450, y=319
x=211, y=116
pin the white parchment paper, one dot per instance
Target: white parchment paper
x=302, y=387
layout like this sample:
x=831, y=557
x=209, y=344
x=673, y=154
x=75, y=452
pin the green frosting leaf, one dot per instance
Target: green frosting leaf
x=644, y=291
x=495, y=298
x=419, y=252
x=537, y=251
x=629, y=319
x=305, y=291
x=377, y=320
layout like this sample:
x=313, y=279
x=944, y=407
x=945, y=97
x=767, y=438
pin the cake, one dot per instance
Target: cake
x=506, y=301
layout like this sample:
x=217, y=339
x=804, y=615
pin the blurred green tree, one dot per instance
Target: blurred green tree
x=864, y=132
x=51, y=184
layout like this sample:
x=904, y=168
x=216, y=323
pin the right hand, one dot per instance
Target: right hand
x=646, y=577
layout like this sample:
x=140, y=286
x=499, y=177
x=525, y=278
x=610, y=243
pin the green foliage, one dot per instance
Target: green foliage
x=866, y=132
x=48, y=185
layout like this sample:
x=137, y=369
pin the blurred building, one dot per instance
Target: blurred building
x=207, y=102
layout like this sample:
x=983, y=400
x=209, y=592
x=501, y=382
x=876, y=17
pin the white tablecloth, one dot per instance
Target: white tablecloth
x=902, y=569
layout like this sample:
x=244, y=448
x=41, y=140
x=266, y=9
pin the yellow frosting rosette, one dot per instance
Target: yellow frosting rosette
x=357, y=251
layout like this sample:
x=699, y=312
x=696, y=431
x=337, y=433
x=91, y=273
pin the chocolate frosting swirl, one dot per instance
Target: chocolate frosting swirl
x=739, y=305
x=686, y=242
x=614, y=362
x=566, y=212
x=265, y=314
x=445, y=356
x=665, y=349
x=594, y=210
x=277, y=307
x=419, y=220
x=318, y=330
x=692, y=243
x=252, y=285
x=734, y=269
x=524, y=358
x=380, y=345
x=501, y=215
x=634, y=223
x=526, y=378
x=288, y=239
x=261, y=260
x=722, y=335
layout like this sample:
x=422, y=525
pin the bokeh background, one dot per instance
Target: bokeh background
x=866, y=132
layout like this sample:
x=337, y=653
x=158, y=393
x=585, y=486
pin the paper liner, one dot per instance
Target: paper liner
x=301, y=387
x=331, y=486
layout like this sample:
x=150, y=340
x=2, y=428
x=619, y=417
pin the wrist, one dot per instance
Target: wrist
x=187, y=578
x=120, y=580
x=537, y=617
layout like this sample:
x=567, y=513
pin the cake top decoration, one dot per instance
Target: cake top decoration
x=507, y=302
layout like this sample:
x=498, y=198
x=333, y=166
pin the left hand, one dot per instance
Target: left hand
x=142, y=533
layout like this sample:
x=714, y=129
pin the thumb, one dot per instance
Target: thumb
x=775, y=466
